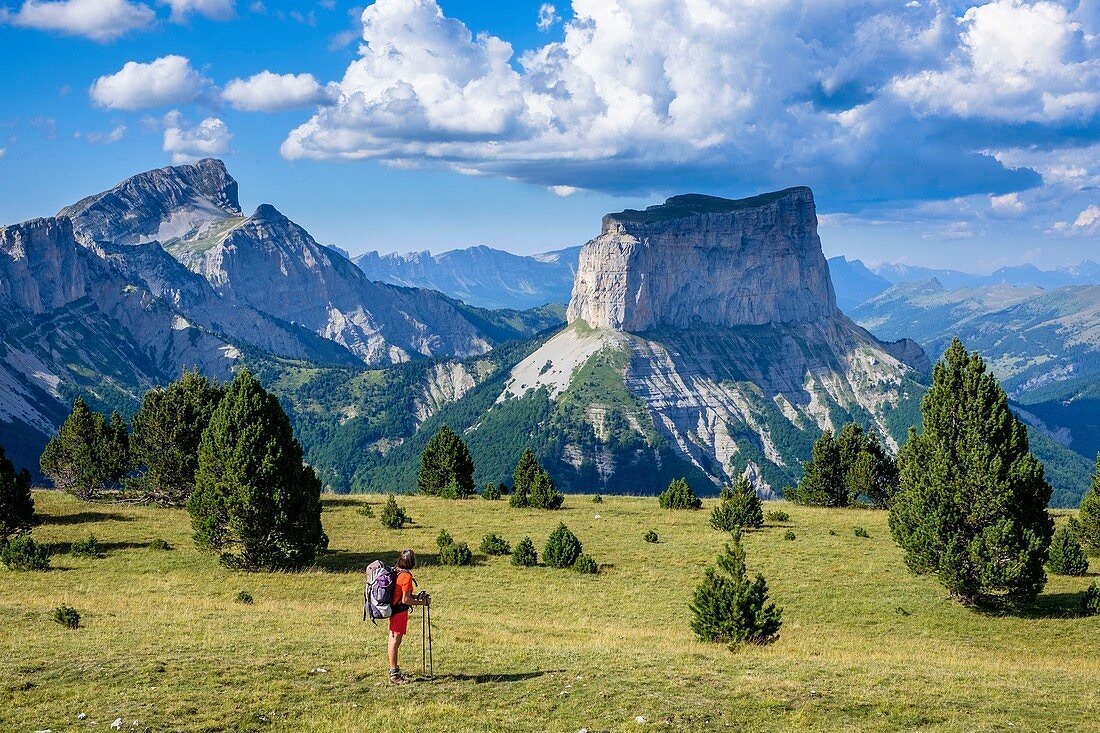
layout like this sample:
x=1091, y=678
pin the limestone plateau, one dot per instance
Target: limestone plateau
x=717, y=322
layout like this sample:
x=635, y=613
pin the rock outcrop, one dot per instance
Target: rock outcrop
x=162, y=204
x=700, y=260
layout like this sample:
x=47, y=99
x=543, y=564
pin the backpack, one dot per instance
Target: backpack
x=378, y=591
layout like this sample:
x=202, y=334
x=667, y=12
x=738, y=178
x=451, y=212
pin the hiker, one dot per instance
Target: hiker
x=403, y=597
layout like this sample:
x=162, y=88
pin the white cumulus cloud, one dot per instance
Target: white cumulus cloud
x=214, y=9
x=186, y=144
x=1088, y=219
x=866, y=99
x=103, y=138
x=169, y=80
x=268, y=92
x=547, y=18
x=99, y=20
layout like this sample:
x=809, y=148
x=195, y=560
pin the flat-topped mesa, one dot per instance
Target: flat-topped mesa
x=701, y=260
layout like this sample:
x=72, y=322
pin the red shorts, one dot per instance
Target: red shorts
x=399, y=622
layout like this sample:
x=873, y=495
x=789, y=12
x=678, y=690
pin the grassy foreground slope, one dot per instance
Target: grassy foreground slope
x=864, y=645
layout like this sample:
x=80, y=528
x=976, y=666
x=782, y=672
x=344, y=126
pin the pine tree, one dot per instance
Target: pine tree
x=167, y=432
x=446, y=460
x=729, y=608
x=71, y=458
x=16, y=502
x=562, y=548
x=113, y=453
x=543, y=493
x=971, y=502
x=393, y=516
x=738, y=506
x=524, y=555
x=527, y=471
x=1066, y=556
x=254, y=498
x=1089, y=533
x=822, y=481
x=679, y=495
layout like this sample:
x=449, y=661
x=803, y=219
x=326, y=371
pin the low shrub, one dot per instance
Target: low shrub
x=159, y=544
x=860, y=532
x=777, y=515
x=1090, y=600
x=455, y=553
x=585, y=565
x=562, y=548
x=244, y=597
x=87, y=547
x=443, y=539
x=650, y=536
x=524, y=555
x=832, y=532
x=393, y=515
x=1066, y=556
x=67, y=616
x=23, y=553
x=728, y=607
x=491, y=492
x=597, y=499
x=494, y=544
x=790, y=535
x=679, y=495
x=367, y=511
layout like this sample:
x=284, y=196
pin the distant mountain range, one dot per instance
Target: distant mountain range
x=482, y=276
x=493, y=278
x=124, y=289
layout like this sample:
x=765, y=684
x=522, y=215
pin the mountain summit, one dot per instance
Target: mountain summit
x=704, y=339
x=701, y=260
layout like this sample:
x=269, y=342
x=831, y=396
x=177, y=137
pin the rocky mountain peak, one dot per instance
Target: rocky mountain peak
x=162, y=204
x=702, y=260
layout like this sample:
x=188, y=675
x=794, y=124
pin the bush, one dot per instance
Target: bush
x=738, y=506
x=244, y=597
x=532, y=485
x=491, y=492
x=832, y=533
x=777, y=515
x=394, y=516
x=494, y=544
x=562, y=548
x=255, y=499
x=88, y=547
x=790, y=535
x=1066, y=555
x=729, y=608
x=679, y=495
x=861, y=532
x=16, y=502
x=443, y=539
x=23, y=553
x=159, y=544
x=524, y=555
x=67, y=616
x=650, y=536
x=1090, y=600
x=455, y=553
x=367, y=511
x=597, y=499
x=1090, y=514
x=585, y=565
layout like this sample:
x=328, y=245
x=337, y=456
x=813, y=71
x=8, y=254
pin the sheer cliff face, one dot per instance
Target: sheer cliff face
x=706, y=261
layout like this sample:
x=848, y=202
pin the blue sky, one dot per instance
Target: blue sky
x=951, y=134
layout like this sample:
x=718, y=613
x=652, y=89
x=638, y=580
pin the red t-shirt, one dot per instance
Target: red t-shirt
x=404, y=583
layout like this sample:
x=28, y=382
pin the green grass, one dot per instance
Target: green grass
x=864, y=644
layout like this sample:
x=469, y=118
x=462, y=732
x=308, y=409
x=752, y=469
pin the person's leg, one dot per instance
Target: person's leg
x=395, y=644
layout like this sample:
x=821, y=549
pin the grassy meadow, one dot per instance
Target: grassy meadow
x=865, y=645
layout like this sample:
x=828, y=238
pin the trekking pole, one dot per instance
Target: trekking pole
x=431, y=661
x=423, y=659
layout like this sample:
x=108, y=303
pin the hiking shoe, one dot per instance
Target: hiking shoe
x=397, y=678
